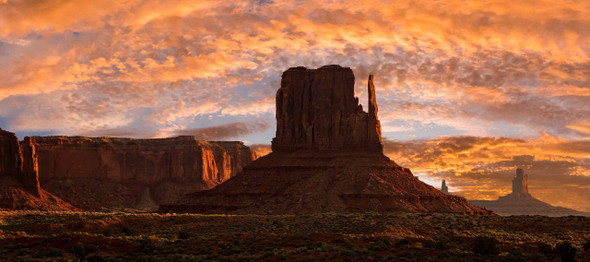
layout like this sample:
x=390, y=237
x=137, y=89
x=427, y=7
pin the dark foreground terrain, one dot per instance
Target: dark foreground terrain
x=73, y=236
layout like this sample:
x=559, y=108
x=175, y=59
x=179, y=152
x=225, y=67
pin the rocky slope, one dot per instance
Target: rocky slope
x=19, y=184
x=122, y=173
x=521, y=202
x=327, y=157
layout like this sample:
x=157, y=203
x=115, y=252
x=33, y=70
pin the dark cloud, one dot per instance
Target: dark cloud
x=117, y=132
x=231, y=130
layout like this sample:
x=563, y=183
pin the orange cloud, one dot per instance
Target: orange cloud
x=481, y=167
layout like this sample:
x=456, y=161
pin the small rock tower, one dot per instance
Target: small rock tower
x=519, y=183
x=444, y=188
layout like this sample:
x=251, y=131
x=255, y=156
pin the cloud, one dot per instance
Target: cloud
x=483, y=167
x=226, y=131
x=261, y=149
x=455, y=64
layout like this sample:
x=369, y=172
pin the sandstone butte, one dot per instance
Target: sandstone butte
x=521, y=202
x=19, y=181
x=327, y=157
x=134, y=174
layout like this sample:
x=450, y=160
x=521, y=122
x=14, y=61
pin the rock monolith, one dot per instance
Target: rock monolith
x=327, y=157
x=317, y=110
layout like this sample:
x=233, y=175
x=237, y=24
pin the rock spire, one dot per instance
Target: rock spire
x=519, y=183
x=444, y=188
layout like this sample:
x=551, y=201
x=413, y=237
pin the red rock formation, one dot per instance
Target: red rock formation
x=19, y=184
x=521, y=202
x=30, y=174
x=11, y=161
x=116, y=173
x=317, y=110
x=444, y=188
x=519, y=183
x=327, y=157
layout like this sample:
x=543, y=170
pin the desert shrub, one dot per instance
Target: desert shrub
x=183, y=234
x=49, y=252
x=81, y=251
x=96, y=258
x=402, y=242
x=146, y=244
x=417, y=244
x=345, y=242
x=544, y=248
x=146, y=258
x=129, y=231
x=566, y=251
x=109, y=232
x=380, y=244
x=515, y=254
x=485, y=245
x=438, y=243
x=587, y=245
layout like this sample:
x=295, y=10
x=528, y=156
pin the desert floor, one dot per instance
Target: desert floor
x=84, y=236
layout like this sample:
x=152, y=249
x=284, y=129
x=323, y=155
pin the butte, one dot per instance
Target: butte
x=520, y=202
x=327, y=156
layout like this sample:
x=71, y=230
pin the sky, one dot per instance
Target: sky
x=467, y=90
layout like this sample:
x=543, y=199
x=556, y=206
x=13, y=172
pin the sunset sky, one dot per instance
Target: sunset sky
x=467, y=90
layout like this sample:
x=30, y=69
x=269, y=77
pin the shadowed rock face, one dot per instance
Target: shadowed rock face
x=11, y=161
x=327, y=157
x=120, y=173
x=317, y=110
x=19, y=183
x=19, y=162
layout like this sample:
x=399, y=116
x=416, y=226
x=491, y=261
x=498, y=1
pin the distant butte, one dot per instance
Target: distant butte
x=327, y=157
x=521, y=202
x=105, y=173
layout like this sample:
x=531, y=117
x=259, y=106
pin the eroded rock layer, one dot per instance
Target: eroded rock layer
x=327, y=157
x=120, y=173
x=19, y=184
x=316, y=182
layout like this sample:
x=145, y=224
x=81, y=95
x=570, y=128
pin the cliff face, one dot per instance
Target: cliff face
x=327, y=157
x=134, y=173
x=19, y=183
x=316, y=110
x=11, y=161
